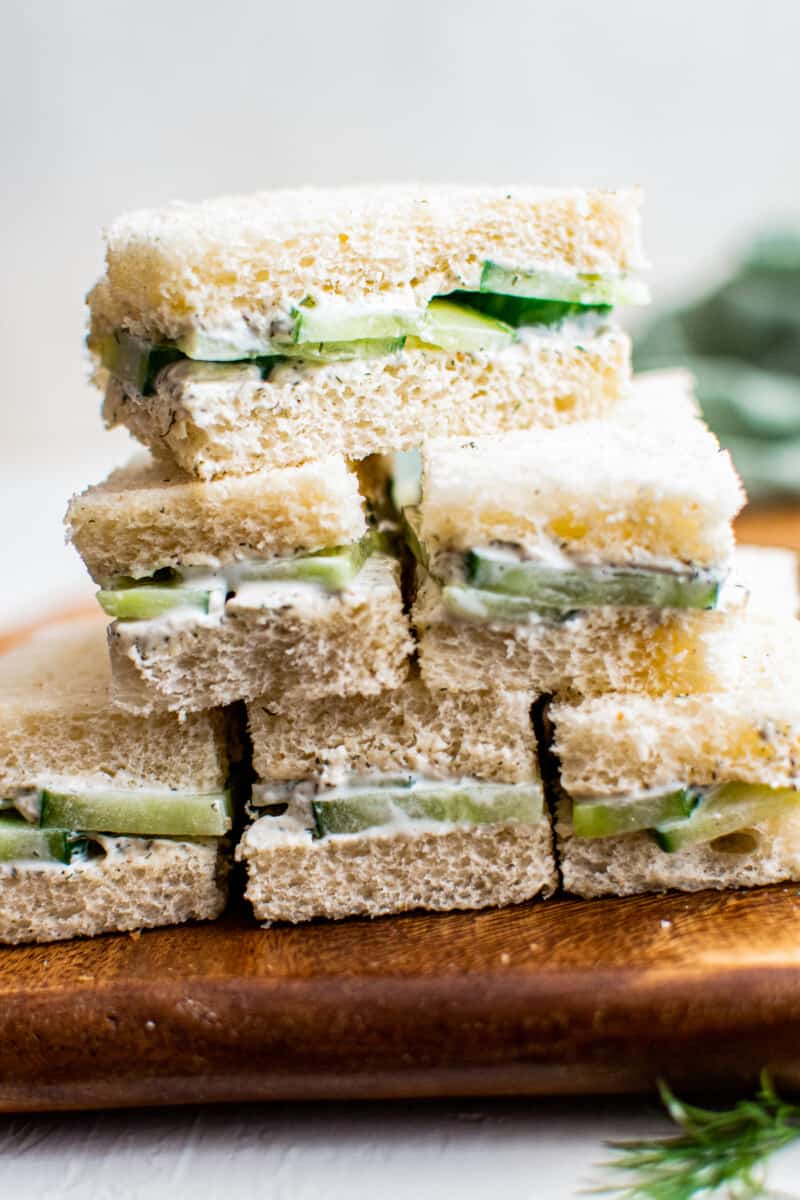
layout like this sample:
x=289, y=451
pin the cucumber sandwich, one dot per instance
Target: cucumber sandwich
x=405, y=800
x=107, y=821
x=578, y=560
x=275, y=581
x=276, y=328
x=688, y=792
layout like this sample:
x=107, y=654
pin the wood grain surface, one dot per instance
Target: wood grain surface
x=554, y=998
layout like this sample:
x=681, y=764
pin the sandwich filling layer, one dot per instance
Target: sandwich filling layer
x=484, y=322
x=503, y=583
x=71, y=826
x=202, y=591
x=396, y=803
x=684, y=815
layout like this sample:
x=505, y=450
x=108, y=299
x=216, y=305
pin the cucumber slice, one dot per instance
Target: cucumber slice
x=607, y=816
x=206, y=347
x=726, y=808
x=353, y=809
x=20, y=840
x=334, y=569
x=406, y=478
x=573, y=289
x=149, y=814
x=134, y=361
x=566, y=588
x=323, y=323
x=456, y=328
x=520, y=310
x=474, y=605
x=153, y=600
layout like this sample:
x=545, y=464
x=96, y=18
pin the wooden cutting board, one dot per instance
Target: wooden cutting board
x=554, y=998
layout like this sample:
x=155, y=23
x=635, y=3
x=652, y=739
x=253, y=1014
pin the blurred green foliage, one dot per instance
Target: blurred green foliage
x=742, y=343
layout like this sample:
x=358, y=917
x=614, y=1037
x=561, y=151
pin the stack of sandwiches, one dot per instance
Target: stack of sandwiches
x=415, y=599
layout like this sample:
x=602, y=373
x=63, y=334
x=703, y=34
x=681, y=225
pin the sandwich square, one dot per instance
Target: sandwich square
x=686, y=792
x=586, y=559
x=109, y=822
x=278, y=581
x=407, y=800
x=263, y=331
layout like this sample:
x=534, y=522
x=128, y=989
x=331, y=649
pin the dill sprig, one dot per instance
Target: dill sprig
x=717, y=1154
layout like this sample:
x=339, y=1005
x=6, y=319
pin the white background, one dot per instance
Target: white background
x=110, y=104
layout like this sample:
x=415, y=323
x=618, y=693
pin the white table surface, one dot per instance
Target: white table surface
x=468, y=1149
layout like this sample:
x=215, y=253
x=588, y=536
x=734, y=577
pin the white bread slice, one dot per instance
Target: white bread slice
x=649, y=485
x=232, y=421
x=614, y=745
x=484, y=735
x=57, y=723
x=768, y=852
x=291, y=641
x=604, y=649
x=748, y=733
x=150, y=514
x=238, y=263
x=137, y=883
x=292, y=877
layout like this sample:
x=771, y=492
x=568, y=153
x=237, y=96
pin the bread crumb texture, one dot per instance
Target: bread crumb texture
x=296, y=878
x=138, y=883
x=301, y=646
x=769, y=852
x=238, y=263
x=57, y=723
x=647, y=486
x=485, y=735
x=228, y=419
x=148, y=515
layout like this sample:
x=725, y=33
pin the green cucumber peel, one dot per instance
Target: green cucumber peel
x=334, y=568
x=138, y=813
x=134, y=361
x=147, y=601
x=610, y=816
x=21, y=841
x=458, y=328
x=569, y=588
x=323, y=323
x=578, y=288
x=521, y=311
x=470, y=804
x=724, y=809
